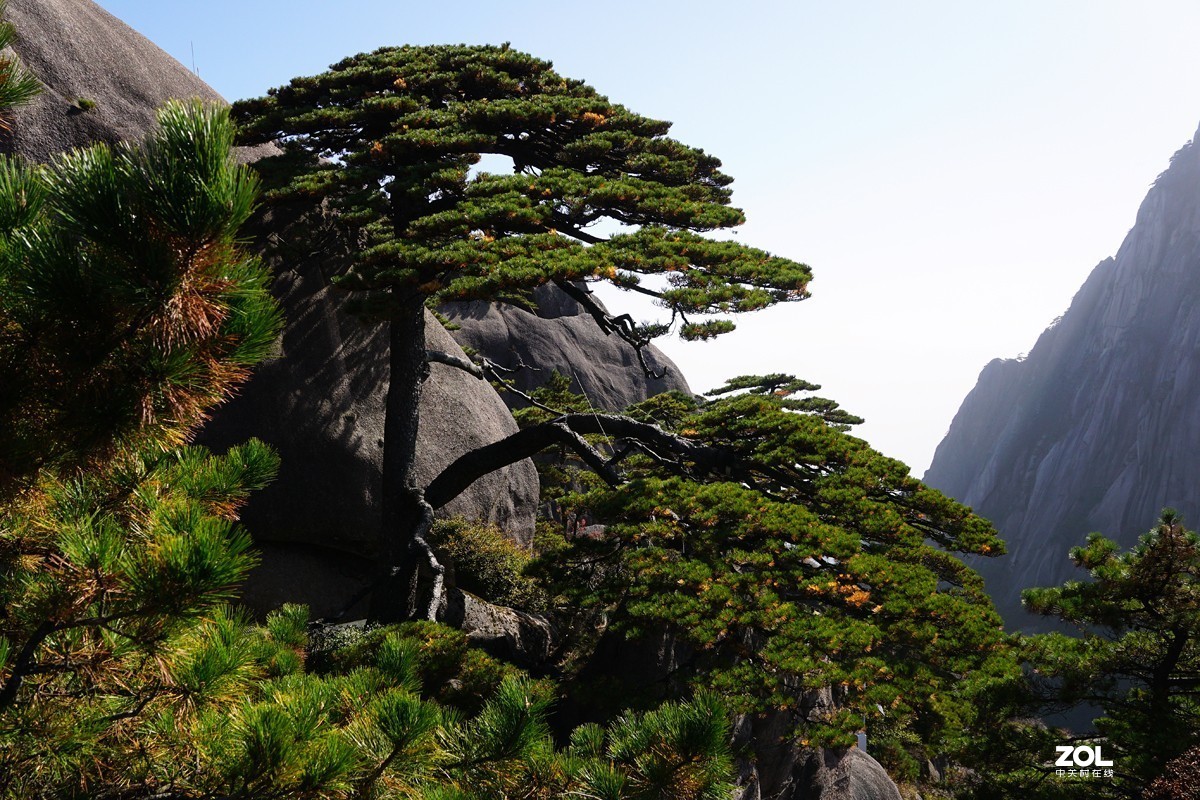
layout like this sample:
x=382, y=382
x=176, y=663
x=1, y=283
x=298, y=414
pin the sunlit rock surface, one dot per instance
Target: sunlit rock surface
x=559, y=335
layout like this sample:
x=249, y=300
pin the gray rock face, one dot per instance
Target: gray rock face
x=562, y=336
x=1099, y=428
x=79, y=50
x=321, y=402
x=324, y=580
x=848, y=775
x=782, y=769
x=527, y=640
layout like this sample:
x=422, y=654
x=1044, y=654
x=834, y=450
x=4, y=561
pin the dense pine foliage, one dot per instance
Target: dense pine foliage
x=402, y=130
x=812, y=562
x=128, y=308
x=1138, y=658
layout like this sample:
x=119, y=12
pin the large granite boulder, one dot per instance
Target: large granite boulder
x=527, y=640
x=81, y=52
x=847, y=775
x=1098, y=428
x=325, y=580
x=780, y=768
x=320, y=402
x=560, y=335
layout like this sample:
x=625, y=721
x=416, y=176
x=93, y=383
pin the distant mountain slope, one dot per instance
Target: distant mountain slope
x=1099, y=427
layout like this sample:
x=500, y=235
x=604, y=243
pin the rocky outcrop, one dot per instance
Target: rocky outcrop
x=527, y=640
x=325, y=580
x=81, y=52
x=783, y=769
x=321, y=404
x=562, y=337
x=847, y=775
x=1099, y=427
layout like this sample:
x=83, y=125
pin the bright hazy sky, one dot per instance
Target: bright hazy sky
x=951, y=170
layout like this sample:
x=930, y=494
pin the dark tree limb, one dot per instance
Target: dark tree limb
x=623, y=325
x=421, y=548
x=24, y=663
x=401, y=502
x=471, y=466
x=642, y=290
x=139, y=707
x=563, y=225
x=569, y=429
x=399, y=577
x=622, y=453
x=706, y=458
x=494, y=369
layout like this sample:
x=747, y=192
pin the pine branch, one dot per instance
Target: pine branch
x=569, y=430
x=495, y=369
x=23, y=664
x=451, y=360
x=621, y=325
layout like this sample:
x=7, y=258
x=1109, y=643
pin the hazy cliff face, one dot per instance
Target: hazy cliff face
x=1099, y=428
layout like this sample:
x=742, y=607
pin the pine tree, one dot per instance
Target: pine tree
x=791, y=556
x=1138, y=658
x=392, y=140
x=126, y=310
x=129, y=310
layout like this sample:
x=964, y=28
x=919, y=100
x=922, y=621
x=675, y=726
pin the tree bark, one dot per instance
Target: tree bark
x=569, y=429
x=401, y=506
x=1160, y=682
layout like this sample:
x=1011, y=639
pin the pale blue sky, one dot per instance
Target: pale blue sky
x=951, y=170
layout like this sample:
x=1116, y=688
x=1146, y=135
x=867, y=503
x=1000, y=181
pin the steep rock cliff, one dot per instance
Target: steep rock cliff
x=1099, y=427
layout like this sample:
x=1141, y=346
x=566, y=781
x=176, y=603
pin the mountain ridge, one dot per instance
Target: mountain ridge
x=1095, y=428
